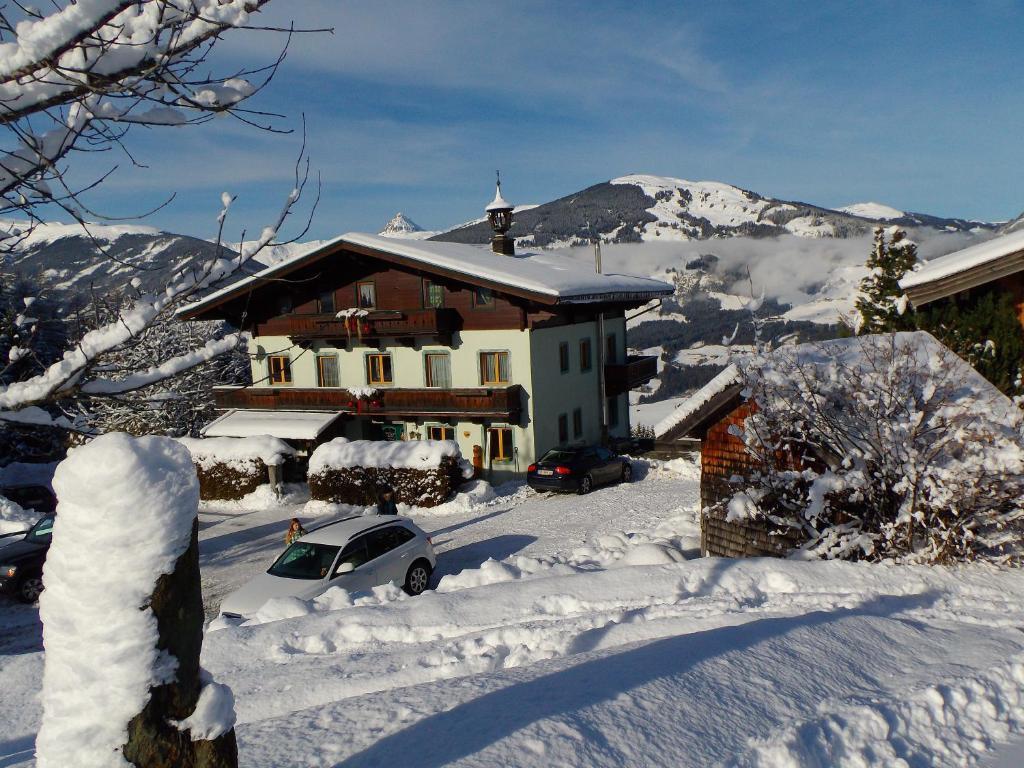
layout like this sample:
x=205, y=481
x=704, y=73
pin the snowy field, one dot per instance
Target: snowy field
x=576, y=631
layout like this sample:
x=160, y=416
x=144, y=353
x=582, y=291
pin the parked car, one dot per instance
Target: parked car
x=357, y=553
x=21, y=563
x=578, y=469
x=31, y=496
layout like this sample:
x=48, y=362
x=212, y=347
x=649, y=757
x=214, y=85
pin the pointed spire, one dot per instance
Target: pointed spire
x=499, y=203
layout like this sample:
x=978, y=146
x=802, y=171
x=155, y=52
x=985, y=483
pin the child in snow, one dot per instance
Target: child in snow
x=386, y=501
x=295, y=531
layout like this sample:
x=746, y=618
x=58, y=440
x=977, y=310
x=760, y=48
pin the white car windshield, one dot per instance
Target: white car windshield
x=303, y=560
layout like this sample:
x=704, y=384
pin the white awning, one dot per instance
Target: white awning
x=286, y=425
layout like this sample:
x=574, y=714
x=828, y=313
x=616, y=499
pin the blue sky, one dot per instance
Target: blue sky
x=412, y=106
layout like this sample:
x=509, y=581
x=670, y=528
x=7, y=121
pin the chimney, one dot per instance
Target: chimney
x=499, y=214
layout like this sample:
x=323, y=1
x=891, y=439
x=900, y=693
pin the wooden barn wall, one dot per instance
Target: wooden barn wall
x=722, y=456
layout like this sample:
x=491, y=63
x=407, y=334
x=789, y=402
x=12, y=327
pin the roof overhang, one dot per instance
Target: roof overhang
x=344, y=243
x=921, y=293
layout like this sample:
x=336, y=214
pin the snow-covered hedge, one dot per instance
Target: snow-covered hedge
x=233, y=467
x=882, y=447
x=423, y=473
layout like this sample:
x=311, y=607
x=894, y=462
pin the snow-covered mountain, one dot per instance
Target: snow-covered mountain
x=402, y=226
x=646, y=208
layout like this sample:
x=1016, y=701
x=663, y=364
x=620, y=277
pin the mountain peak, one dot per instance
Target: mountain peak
x=401, y=226
x=871, y=210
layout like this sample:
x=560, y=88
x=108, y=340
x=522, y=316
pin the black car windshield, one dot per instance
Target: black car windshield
x=558, y=456
x=41, y=532
x=303, y=560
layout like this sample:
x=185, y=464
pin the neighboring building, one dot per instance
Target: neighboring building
x=369, y=337
x=716, y=415
x=996, y=264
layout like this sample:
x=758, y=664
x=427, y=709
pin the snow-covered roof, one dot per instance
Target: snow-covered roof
x=286, y=425
x=852, y=354
x=545, y=275
x=499, y=203
x=698, y=400
x=985, y=262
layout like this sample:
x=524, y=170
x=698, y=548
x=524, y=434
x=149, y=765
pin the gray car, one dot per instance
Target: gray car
x=357, y=553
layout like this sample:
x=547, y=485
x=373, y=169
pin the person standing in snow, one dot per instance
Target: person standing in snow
x=386, y=501
x=295, y=531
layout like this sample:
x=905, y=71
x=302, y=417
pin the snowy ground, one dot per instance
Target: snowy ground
x=592, y=642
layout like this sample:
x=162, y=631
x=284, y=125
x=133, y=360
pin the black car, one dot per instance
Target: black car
x=578, y=469
x=21, y=563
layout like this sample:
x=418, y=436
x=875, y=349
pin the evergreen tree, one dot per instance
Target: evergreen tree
x=882, y=305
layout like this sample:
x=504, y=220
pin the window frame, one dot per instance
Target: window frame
x=564, y=359
x=588, y=358
x=443, y=428
x=426, y=369
x=611, y=348
x=484, y=382
x=563, y=429
x=368, y=369
x=286, y=369
x=577, y=423
x=490, y=444
x=320, y=357
x=481, y=290
x=425, y=294
x=320, y=302
x=359, y=299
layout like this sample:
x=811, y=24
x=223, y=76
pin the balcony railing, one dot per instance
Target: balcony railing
x=375, y=324
x=635, y=372
x=504, y=403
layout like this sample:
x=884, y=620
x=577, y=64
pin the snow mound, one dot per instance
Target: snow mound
x=14, y=519
x=125, y=516
x=410, y=454
x=209, y=451
x=214, y=714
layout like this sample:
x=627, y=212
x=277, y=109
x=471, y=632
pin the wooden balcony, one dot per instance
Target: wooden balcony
x=504, y=403
x=375, y=325
x=635, y=372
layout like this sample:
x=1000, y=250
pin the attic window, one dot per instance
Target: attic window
x=483, y=297
x=366, y=294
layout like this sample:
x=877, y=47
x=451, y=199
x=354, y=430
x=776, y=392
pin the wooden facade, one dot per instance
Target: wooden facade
x=504, y=403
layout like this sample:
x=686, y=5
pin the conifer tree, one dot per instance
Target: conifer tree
x=882, y=305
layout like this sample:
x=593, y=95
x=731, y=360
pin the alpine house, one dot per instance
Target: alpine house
x=367, y=337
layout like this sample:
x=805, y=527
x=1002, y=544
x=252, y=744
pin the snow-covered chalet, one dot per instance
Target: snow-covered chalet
x=508, y=353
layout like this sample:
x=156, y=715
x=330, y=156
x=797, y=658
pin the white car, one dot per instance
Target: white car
x=357, y=553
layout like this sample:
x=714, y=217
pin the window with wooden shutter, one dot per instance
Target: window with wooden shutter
x=494, y=369
x=280, y=369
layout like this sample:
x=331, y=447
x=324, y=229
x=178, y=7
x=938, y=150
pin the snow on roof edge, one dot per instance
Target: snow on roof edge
x=964, y=259
x=721, y=382
x=604, y=286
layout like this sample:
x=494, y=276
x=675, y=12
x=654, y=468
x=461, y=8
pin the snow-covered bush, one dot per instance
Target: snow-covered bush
x=882, y=447
x=233, y=467
x=423, y=473
x=122, y=614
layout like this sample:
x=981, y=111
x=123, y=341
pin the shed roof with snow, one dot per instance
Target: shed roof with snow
x=968, y=268
x=725, y=392
x=547, y=278
x=285, y=425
